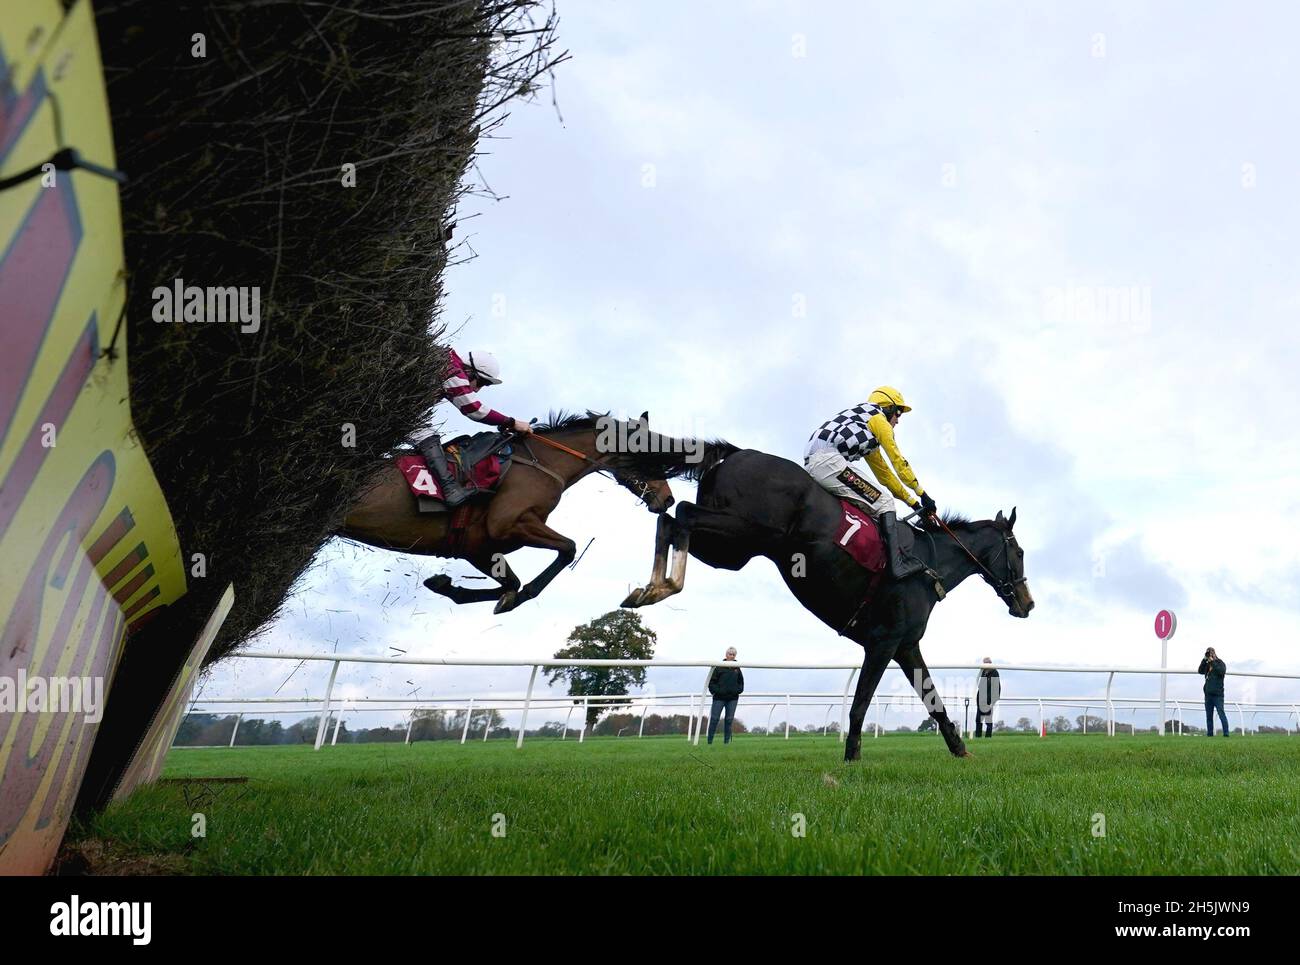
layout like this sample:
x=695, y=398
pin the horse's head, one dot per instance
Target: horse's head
x=1006, y=563
x=655, y=493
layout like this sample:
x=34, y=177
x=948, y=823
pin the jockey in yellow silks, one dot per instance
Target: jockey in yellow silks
x=867, y=432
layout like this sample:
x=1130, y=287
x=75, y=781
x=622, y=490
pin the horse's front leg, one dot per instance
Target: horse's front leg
x=913, y=664
x=874, y=663
x=530, y=530
x=493, y=565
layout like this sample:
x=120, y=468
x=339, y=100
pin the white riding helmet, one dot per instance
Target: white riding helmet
x=485, y=367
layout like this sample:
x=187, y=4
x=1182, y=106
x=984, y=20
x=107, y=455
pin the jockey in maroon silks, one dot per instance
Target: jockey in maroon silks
x=464, y=379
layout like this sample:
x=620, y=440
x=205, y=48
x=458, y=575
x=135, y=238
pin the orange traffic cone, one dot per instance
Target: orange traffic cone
x=1043, y=728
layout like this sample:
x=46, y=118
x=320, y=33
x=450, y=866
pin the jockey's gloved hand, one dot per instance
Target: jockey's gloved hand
x=927, y=504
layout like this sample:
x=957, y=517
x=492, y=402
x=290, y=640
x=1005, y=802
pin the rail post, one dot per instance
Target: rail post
x=699, y=725
x=469, y=713
x=338, y=720
x=1110, y=707
x=645, y=712
x=236, y=730
x=844, y=710
x=325, y=707
x=787, y=716
x=528, y=699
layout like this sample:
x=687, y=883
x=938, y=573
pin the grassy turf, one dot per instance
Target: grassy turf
x=625, y=806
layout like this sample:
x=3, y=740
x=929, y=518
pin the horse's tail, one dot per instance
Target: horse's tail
x=712, y=452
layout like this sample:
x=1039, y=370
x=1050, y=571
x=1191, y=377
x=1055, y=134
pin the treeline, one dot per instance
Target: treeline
x=207, y=730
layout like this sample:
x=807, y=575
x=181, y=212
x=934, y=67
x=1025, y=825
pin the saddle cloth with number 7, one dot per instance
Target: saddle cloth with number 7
x=859, y=536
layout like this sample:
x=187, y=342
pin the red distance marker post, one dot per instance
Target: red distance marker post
x=1166, y=624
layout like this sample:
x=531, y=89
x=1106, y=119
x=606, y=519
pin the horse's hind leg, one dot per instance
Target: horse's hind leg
x=874, y=664
x=663, y=537
x=913, y=664
x=723, y=534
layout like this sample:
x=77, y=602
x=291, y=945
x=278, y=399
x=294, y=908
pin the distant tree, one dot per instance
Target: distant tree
x=552, y=728
x=1060, y=725
x=302, y=732
x=489, y=719
x=1025, y=724
x=192, y=726
x=926, y=726
x=1096, y=725
x=1000, y=726
x=617, y=635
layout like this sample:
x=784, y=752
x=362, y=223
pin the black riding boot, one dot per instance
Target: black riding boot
x=899, y=567
x=453, y=493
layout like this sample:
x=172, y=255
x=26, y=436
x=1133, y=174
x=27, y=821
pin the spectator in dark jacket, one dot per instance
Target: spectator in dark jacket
x=726, y=683
x=988, y=688
x=1214, y=670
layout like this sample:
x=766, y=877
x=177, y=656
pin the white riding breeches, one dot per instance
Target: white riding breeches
x=834, y=474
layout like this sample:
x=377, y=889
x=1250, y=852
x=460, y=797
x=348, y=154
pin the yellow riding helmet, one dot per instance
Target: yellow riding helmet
x=888, y=395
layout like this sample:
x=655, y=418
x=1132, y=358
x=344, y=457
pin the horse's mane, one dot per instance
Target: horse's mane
x=673, y=462
x=561, y=421
x=950, y=518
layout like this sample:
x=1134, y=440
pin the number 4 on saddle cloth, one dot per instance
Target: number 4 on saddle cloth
x=479, y=462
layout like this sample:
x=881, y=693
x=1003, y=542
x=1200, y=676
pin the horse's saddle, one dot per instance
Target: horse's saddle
x=479, y=463
x=861, y=536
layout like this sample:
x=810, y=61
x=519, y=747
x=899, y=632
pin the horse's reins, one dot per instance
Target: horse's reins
x=536, y=464
x=993, y=581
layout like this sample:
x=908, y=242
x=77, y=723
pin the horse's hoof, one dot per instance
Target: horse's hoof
x=438, y=584
x=962, y=752
x=507, y=602
x=633, y=599
x=852, y=753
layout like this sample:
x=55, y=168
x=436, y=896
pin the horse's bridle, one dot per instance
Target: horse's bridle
x=1006, y=588
x=635, y=485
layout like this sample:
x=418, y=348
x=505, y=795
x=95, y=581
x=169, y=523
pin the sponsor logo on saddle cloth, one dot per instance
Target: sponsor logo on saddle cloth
x=858, y=536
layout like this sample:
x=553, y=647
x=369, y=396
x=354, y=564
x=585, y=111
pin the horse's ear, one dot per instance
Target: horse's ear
x=1011, y=520
x=999, y=518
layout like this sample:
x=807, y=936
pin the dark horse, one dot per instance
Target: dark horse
x=752, y=504
x=386, y=516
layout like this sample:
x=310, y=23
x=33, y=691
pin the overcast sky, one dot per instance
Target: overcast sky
x=1066, y=233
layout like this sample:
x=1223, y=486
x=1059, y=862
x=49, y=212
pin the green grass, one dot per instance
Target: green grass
x=659, y=806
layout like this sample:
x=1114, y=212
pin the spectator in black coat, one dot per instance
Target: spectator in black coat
x=1214, y=670
x=726, y=683
x=988, y=688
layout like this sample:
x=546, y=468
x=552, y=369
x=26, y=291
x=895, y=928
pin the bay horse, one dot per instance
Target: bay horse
x=749, y=504
x=386, y=513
